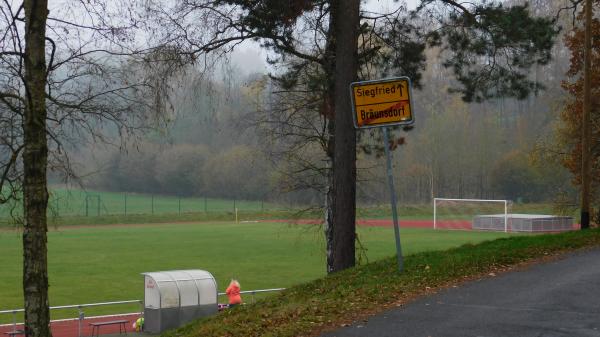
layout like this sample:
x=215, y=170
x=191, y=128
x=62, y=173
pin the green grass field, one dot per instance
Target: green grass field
x=104, y=263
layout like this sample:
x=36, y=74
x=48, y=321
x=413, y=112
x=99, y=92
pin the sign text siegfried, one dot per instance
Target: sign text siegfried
x=379, y=90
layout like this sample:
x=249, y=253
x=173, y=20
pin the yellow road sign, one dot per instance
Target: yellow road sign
x=382, y=102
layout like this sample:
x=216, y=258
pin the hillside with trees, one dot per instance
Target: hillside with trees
x=246, y=137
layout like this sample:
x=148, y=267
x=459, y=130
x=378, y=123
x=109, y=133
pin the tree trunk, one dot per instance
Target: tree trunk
x=343, y=230
x=35, y=158
x=585, y=124
x=330, y=200
x=328, y=111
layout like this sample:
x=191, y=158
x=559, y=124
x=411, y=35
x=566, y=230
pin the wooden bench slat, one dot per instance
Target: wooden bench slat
x=109, y=322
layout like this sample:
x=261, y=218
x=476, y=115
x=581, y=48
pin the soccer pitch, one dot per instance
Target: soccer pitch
x=103, y=263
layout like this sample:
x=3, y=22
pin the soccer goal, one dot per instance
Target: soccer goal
x=467, y=214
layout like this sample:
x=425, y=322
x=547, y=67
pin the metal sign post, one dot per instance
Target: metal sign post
x=390, y=175
x=381, y=103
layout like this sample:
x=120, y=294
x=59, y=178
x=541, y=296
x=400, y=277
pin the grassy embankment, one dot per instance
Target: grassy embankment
x=328, y=302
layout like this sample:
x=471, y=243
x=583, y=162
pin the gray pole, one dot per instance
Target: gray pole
x=390, y=175
x=125, y=197
x=86, y=206
x=180, y=205
x=98, y=205
x=81, y=318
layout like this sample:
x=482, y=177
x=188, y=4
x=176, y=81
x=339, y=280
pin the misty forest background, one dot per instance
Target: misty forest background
x=222, y=139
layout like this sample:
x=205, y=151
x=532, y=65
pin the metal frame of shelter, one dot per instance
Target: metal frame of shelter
x=173, y=298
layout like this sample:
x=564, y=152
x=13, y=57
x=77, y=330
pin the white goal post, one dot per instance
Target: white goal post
x=504, y=202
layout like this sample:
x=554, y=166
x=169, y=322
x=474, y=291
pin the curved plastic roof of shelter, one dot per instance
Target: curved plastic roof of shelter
x=179, y=288
x=179, y=275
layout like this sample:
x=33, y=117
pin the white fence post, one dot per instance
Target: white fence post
x=80, y=323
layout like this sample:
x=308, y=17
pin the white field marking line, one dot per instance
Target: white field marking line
x=249, y=221
x=77, y=319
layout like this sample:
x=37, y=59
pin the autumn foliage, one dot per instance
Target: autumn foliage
x=570, y=129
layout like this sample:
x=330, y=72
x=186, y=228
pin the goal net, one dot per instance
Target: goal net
x=467, y=214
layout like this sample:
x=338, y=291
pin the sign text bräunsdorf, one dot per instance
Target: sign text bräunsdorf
x=382, y=102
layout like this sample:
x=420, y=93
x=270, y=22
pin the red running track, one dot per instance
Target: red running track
x=459, y=224
x=452, y=224
x=70, y=328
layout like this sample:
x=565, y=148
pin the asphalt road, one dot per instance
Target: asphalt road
x=559, y=298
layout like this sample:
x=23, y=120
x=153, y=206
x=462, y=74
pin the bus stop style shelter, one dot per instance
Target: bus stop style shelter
x=173, y=298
